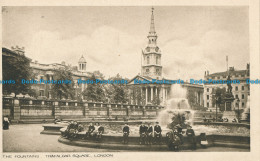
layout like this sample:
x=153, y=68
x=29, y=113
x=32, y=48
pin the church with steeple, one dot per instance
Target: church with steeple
x=151, y=68
x=151, y=55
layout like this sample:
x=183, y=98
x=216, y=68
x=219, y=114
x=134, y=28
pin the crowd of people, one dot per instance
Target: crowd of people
x=174, y=138
x=148, y=134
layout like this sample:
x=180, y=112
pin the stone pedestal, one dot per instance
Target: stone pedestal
x=86, y=109
x=17, y=110
x=57, y=109
x=229, y=104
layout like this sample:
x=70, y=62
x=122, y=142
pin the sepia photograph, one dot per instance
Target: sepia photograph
x=137, y=78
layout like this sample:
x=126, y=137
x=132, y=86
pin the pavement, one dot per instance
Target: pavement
x=27, y=138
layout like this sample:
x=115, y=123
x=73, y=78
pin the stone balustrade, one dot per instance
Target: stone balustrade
x=24, y=108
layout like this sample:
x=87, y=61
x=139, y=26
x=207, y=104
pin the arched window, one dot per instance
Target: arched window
x=148, y=60
x=157, y=60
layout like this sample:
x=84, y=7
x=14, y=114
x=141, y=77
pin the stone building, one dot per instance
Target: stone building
x=240, y=91
x=152, y=69
x=47, y=71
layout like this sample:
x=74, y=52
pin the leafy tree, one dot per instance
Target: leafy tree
x=218, y=95
x=16, y=68
x=95, y=91
x=63, y=90
x=191, y=97
x=118, y=92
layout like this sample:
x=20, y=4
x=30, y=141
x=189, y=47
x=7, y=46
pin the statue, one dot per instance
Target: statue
x=229, y=90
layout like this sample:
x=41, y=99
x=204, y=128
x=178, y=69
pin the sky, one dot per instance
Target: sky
x=192, y=39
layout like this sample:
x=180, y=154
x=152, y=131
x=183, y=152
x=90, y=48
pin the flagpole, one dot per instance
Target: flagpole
x=141, y=62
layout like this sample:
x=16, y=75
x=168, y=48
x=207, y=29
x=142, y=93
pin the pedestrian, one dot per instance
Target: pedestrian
x=157, y=133
x=6, y=123
x=142, y=132
x=126, y=132
x=149, y=133
x=191, y=137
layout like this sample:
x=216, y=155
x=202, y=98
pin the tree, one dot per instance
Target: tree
x=16, y=68
x=63, y=90
x=218, y=96
x=95, y=91
x=118, y=92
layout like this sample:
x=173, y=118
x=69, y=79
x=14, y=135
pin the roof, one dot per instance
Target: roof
x=12, y=53
x=82, y=60
x=235, y=72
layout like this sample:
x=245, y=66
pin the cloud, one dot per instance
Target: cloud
x=183, y=59
x=107, y=49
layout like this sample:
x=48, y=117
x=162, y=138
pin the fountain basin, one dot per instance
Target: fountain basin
x=115, y=142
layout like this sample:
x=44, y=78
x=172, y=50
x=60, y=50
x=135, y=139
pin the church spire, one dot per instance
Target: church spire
x=152, y=28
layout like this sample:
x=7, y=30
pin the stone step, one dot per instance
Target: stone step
x=232, y=144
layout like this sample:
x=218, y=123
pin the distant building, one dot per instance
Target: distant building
x=47, y=71
x=240, y=91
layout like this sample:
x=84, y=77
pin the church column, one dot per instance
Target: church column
x=166, y=94
x=151, y=94
x=141, y=95
x=163, y=94
x=146, y=94
x=156, y=95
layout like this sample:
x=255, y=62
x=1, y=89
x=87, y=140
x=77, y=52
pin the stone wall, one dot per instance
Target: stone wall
x=20, y=109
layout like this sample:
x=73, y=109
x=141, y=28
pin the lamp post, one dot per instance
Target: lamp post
x=238, y=100
x=217, y=98
x=217, y=105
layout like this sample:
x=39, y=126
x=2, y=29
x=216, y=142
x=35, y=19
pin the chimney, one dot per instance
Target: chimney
x=247, y=66
x=18, y=50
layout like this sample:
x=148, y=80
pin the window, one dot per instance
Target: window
x=237, y=104
x=207, y=97
x=207, y=89
x=157, y=70
x=148, y=60
x=243, y=104
x=243, y=88
x=236, y=88
x=157, y=60
x=236, y=96
x=147, y=70
x=243, y=96
x=207, y=104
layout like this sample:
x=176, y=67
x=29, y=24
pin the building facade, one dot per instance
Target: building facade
x=47, y=72
x=240, y=91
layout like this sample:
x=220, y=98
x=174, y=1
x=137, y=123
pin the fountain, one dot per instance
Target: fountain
x=245, y=117
x=177, y=110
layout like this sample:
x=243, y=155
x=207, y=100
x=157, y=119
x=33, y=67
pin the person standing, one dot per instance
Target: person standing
x=6, y=123
x=157, y=133
x=126, y=132
x=191, y=137
x=149, y=133
x=142, y=132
